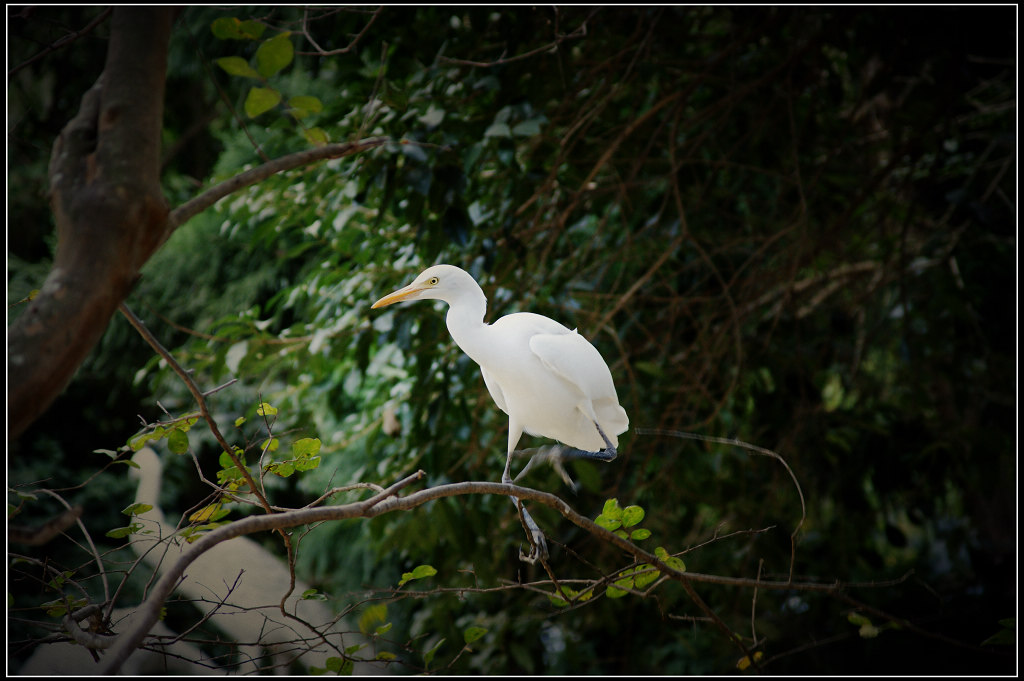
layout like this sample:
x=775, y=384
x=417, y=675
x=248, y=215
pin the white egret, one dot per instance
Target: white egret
x=549, y=380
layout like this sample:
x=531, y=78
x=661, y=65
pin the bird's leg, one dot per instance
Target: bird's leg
x=555, y=455
x=609, y=451
x=538, y=544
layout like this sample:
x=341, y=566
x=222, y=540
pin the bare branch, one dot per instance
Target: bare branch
x=63, y=41
x=321, y=52
x=191, y=208
x=37, y=535
x=579, y=32
x=387, y=502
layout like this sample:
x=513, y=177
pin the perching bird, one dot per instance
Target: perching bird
x=549, y=380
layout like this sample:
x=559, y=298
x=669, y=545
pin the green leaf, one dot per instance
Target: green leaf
x=669, y=560
x=309, y=464
x=236, y=66
x=612, y=592
x=419, y=572
x=313, y=595
x=372, y=616
x=472, y=634
x=274, y=54
x=230, y=28
x=209, y=513
x=177, y=441
x=316, y=136
x=137, y=442
x=261, y=100
x=282, y=470
x=611, y=509
x=428, y=656
x=632, y=515
x=264, y=409
x=122, y=532
x=745, y=662
x=307, y=446
x=137, y=509
x=340, y=666
x=832, y=394
x=302, y=106
x=646, y=575
x=638, y=535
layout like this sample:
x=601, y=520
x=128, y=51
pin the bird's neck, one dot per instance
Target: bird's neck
x=465, y=322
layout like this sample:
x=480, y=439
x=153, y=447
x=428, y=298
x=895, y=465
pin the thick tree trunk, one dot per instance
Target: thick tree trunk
x=110, y=214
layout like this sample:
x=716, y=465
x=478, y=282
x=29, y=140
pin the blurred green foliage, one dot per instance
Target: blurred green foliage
x=792, y=226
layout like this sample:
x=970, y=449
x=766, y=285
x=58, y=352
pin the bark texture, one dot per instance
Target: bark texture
x=110, y=213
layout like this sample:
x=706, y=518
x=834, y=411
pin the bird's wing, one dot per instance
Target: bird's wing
x=572, y=357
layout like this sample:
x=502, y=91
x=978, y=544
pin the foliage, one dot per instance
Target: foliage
x=790, y=226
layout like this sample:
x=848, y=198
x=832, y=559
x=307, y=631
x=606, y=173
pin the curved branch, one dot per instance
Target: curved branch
x=386, y=502
x=191, y=208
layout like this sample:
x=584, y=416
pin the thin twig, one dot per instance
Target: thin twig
x=197, y=394
x=757, y=450
x=580, y=32
x=62, y=41
x=321, y=52
x=88, y=540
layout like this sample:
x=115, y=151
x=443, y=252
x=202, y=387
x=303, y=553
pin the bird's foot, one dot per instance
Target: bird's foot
x=538, y=543
x=538, y=552
x=538, y=548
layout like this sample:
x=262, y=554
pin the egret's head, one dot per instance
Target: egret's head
x=440, y=282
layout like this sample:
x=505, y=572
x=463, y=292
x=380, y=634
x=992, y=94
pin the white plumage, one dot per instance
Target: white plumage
x=549, y=380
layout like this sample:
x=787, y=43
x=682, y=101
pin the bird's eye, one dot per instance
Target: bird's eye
x=433, y=281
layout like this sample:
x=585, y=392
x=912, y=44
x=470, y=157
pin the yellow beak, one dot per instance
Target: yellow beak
x=407, y=293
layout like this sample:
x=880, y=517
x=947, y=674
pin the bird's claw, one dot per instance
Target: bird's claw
x=538, y=550
x=538, y=544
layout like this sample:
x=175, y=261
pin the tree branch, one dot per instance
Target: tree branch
x=191, y=208
x=387, y=502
